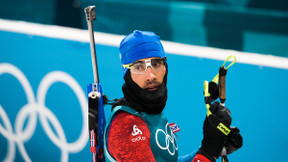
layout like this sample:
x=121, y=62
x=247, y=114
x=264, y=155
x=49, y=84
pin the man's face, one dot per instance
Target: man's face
x=151, y=79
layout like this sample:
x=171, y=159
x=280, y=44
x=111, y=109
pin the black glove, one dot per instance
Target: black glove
x=214, y=140
x=213, y=90
x=234, y=140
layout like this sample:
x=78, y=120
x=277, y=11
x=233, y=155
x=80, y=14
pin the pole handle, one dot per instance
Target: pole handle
x=222, y=85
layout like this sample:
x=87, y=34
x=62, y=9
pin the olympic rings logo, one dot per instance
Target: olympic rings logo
x=168, y=139
x=36, y=108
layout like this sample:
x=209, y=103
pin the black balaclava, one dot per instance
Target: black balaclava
x=151, y=102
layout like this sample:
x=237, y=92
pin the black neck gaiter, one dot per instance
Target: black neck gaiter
x=151, y=102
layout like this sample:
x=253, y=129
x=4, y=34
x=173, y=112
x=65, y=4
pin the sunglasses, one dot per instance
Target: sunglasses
x=140, y=67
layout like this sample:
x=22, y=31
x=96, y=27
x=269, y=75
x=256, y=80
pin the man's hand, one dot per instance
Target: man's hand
x=234, y=140
x=214, y=140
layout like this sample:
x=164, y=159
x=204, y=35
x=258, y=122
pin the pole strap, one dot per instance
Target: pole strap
x=213, y=119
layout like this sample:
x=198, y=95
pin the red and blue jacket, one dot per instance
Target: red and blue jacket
x=133, y=136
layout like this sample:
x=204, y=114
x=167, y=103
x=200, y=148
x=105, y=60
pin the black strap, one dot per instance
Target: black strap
x=219, y=124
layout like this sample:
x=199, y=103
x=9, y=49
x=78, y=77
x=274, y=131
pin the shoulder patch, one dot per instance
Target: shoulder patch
x=174, y=127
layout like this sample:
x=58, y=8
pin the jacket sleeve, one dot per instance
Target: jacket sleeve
x=200, y=158
x=187, y=158
x=129, y=139
x=193, y=157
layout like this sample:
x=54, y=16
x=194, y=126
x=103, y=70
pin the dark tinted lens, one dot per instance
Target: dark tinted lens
x=156, y=63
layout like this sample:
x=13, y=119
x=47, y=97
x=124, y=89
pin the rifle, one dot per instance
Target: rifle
x=96, y=116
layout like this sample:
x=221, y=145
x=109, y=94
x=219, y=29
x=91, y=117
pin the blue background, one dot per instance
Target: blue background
x=255, y=96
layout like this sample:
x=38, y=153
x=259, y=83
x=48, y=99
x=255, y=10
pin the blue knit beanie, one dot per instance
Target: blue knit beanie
x=140, y=45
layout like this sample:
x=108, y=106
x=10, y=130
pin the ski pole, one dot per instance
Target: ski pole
x=215, y=81
x=222, y=79
x=96, y=117
x=222, y=94
x=214, y=120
